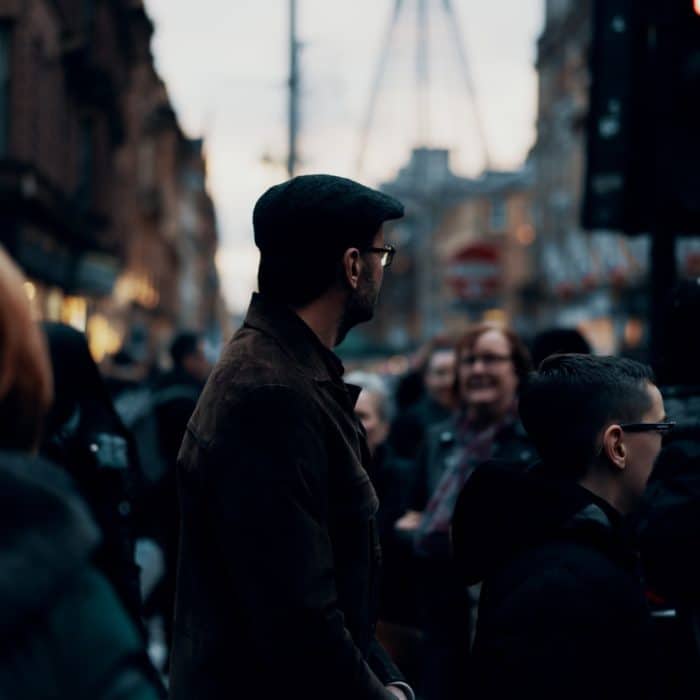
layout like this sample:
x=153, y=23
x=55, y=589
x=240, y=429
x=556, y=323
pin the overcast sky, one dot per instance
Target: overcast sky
x=225, y=63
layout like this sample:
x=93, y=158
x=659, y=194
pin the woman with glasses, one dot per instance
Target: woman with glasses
x=491, y=363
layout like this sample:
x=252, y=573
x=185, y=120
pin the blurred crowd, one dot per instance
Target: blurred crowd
x=90, y=509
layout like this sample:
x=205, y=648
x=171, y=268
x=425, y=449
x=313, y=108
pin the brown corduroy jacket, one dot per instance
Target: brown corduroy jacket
x=278, y=571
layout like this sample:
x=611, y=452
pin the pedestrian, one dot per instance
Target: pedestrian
x=278, y=571
x=669, y=520
x=392, y=477
x=436, y=405
x=62, y=630
x=562, y=611
x=84, y=435
x=491, y=363
x=173, y=400
x=557, y=341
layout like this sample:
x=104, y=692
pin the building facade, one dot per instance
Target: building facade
x=463, y=254
x=594, y=281
x=102, y=197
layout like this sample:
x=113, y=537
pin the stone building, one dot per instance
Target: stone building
x=463, y=254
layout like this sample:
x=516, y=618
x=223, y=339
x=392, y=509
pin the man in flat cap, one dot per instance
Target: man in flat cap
x=279, y=561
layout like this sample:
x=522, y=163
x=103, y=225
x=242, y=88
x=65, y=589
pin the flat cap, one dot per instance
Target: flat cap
x=320, y=214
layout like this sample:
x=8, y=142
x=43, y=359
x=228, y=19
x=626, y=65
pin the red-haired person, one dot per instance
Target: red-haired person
x=62, y=630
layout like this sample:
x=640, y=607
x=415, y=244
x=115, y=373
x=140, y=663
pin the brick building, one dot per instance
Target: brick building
x=96, y=176
x=593, y=281
x=61, y=66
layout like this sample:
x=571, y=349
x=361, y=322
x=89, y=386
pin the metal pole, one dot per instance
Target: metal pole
x=460, y=46
x=422, y=76
x=376, y=85
x=293, y=89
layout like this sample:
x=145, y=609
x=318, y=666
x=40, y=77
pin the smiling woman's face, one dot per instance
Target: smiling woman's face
x=487, y=379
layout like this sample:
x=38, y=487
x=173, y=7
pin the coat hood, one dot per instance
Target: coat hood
x=46, y=536
x=501, y=512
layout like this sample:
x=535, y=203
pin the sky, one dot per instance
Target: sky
x=226, y=63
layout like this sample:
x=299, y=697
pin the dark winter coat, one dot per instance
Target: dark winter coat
x=63, y=633
x=85, y=436
x=278, y=576
x=562, y=612
x=409, y=429
x=669, y=536
x=175, y=396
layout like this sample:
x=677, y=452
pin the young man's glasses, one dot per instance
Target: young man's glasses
x=664, y=427
x=387, y=252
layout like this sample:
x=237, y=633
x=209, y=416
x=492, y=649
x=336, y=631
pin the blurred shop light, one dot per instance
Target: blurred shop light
x=30, y=290
x=138, y=288
x=54, y=302
x=74, y=312
x=498, y=316
x=696, y=7
x=600, y=333
x=525, y=234
x=103, y=339
x=634, y=332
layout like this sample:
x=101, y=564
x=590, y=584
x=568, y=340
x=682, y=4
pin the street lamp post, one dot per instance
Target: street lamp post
x=293, y=89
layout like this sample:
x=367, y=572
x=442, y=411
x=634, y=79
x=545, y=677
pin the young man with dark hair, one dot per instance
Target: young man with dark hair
x=562, y=610
x=279, y=556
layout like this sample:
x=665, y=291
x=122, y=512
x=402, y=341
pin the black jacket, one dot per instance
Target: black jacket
x=63, y=633
x=278, y=575
x=669, y=536
x=562, y=612
x=511, y=445
x=410, y=427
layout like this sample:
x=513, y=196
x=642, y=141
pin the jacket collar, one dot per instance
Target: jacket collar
x=295, y=338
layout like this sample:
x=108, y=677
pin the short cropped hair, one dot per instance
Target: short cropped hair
x=26, y=384
x=374, y=384
x=571, y=398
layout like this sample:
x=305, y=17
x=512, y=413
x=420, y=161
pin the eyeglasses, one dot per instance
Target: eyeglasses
x=664, y=427
x=487, y=359
x=387, y=252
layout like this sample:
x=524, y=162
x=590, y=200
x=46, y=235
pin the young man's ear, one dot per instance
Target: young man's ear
x=614, y=446
x=351, y=266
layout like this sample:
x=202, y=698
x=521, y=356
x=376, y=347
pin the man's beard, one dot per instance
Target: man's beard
x=359, y=307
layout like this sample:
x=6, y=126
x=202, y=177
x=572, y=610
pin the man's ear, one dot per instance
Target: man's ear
x=614, y=446
x=351, y=266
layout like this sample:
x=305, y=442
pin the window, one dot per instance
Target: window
x=498, y=219
x=5, y=48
